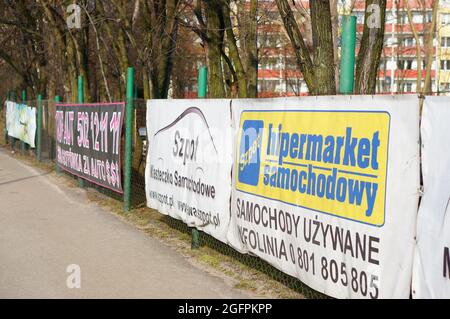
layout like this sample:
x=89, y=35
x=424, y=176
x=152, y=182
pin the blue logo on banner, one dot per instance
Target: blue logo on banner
x=250, y=152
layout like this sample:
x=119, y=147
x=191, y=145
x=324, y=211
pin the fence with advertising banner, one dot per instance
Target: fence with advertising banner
x=431, y=276
x=322, y=188
x=189, y=164
x=88, y=139
x=319, y=192
x=21, y=122
x=326, y=189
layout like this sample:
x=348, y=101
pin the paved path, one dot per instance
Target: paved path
x=45, y=227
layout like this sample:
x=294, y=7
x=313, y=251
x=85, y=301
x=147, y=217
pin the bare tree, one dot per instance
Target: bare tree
x=372, y=42
x=314, y=61
x=228, y=32
x=428, y=48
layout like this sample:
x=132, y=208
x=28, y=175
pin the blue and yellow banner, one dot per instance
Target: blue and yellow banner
x=331, y=162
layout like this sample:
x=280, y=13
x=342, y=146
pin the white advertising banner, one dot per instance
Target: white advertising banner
x=21, y=122
x=326, y=189
x=188, y=171
x=431, y=275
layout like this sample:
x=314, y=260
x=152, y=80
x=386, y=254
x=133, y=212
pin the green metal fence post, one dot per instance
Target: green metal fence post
x=58, y=170
x=24, y=101
x=13, y=140
x=347, y=74
x=128, y=140
x=39, y=129
x=80, y=100
x=202, y=82
x=80, y=89
x=8, y=98
x=202, y=90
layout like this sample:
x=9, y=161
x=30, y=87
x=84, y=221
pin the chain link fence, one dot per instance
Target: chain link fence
x=140, y=149
x=3, y=133
x=138, y=195
x=139, y=199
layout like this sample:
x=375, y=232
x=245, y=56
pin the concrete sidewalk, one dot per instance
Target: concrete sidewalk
x=45, y=227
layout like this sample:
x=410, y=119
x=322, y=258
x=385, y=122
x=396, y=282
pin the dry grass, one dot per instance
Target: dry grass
x=2, y=125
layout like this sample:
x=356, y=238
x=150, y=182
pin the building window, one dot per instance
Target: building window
x=444, y=87
x=389, y=17
x=408, y=42
x=403, y=18
x=406, y=87
x=409, y=64
x=360, y=16
x=404, y=64
x=445, y=19
x=293, y=86
x=291, y=63
x=445, y=42
x=269, y=85
x=270, y=41
x=445, y=65
x=272, y=63
x=409, y=87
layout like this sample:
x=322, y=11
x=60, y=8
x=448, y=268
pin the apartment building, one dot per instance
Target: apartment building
x=403, y=61
x=443, y=53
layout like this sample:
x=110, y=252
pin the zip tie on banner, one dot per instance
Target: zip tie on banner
x=421, y=191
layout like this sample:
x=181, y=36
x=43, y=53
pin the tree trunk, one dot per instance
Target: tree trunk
x=318, y=71
x=372, y=42
x=429, y=50
x=302, y=53
x=418, y=48
x=323, y=47
x=252, y=51
x=335, y=26
x=237, y=65
x=215, y=36
x=145, y=81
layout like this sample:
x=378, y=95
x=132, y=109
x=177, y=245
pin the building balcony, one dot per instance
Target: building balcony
x=444, y=76
x=405, y=74
x=444, y=54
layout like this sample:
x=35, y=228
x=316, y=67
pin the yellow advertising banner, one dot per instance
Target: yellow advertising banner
x=328, y=162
